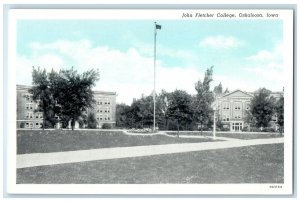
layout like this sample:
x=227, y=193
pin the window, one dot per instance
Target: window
x=226, y=105
x=225, y=118
x=26, y=125
x=29, y=106
x=247, y=106
x=237, y=106
x=29, y=115
x=237, y=116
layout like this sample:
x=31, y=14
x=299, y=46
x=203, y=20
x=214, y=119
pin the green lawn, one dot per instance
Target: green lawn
x=253, y=164
x=38, y=141
x=240, y=135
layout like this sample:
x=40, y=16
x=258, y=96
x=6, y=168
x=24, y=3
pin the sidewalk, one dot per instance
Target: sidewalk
x=42, y=159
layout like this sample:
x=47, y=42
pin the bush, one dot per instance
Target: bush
x=245, y=129
x=106, y=126
x=225, y=129
x=268, y=130
x=22, y=125
x=48, y=124
x=91, y=121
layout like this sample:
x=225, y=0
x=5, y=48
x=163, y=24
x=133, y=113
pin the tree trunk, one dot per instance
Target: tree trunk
x=177, y=128
x=201, y=128
x=73, y=123
x=168, y=124
x=44, y=116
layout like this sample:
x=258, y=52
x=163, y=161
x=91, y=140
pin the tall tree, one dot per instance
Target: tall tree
x=218, y=90
x=203, y=99
x=73, y=91
x=180, y=108
x=261, y=108
x=280, y=113
x=41, y=93
x=123, y=115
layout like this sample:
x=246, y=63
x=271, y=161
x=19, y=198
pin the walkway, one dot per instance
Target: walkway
x=42, y=159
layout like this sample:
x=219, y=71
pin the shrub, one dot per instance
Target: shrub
x=91, y=121
x=106, y=126
x=268, y=130
x=225, y=129
x=22, y=125
x=245, y=129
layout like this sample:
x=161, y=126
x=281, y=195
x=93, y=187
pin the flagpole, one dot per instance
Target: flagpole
x=154, y=76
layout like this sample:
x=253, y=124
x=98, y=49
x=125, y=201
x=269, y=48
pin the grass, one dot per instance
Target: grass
x=253, y=164
x=38, y=141
x=237, y=135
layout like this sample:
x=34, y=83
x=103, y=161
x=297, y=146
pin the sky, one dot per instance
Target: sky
x=245, y=54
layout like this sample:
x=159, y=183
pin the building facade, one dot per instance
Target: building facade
x=28, y=116
x=231, y=109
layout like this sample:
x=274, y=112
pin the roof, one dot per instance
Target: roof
x=227, y=94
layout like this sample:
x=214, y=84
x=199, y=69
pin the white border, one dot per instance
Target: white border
x=12, y=187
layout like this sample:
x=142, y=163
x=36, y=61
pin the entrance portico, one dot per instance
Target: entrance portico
x=236, y=126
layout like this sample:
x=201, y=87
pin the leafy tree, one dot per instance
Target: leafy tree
x=91, y=121
x=218, y=90
x=261, y=108
x=73, y=92
x=179, y=108
x=142, y=111
x=204, y=99
x=123, y=115
x=162, y=103
x=279, y=108
x=42, y=95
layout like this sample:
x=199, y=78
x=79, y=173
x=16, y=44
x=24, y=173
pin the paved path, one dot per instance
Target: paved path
x=42, y=159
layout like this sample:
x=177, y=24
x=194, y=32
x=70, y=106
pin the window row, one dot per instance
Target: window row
x=31, y=115
x=33, y=125
x=105, y=110
x=237, y=106
x=225, y=118
x=31, y=106
x=103, y=118
x=237, y=116
x=103, y=102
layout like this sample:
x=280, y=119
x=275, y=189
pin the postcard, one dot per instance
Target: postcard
x=150, y=101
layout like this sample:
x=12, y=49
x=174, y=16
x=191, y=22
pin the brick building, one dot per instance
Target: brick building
x=231, y=108
x=27, y=116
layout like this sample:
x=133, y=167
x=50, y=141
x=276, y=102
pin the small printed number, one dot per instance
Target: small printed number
x=276, y=186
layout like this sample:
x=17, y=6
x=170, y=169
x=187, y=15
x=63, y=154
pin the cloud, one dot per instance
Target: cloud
x=268, y=64
x=129, y=72
x=220, y=42
x=266, y=56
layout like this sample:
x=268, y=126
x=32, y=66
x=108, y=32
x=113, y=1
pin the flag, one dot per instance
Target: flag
x=158, y=26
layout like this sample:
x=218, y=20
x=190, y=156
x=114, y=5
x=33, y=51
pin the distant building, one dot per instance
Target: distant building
x=28, y=116
x=231, y=108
